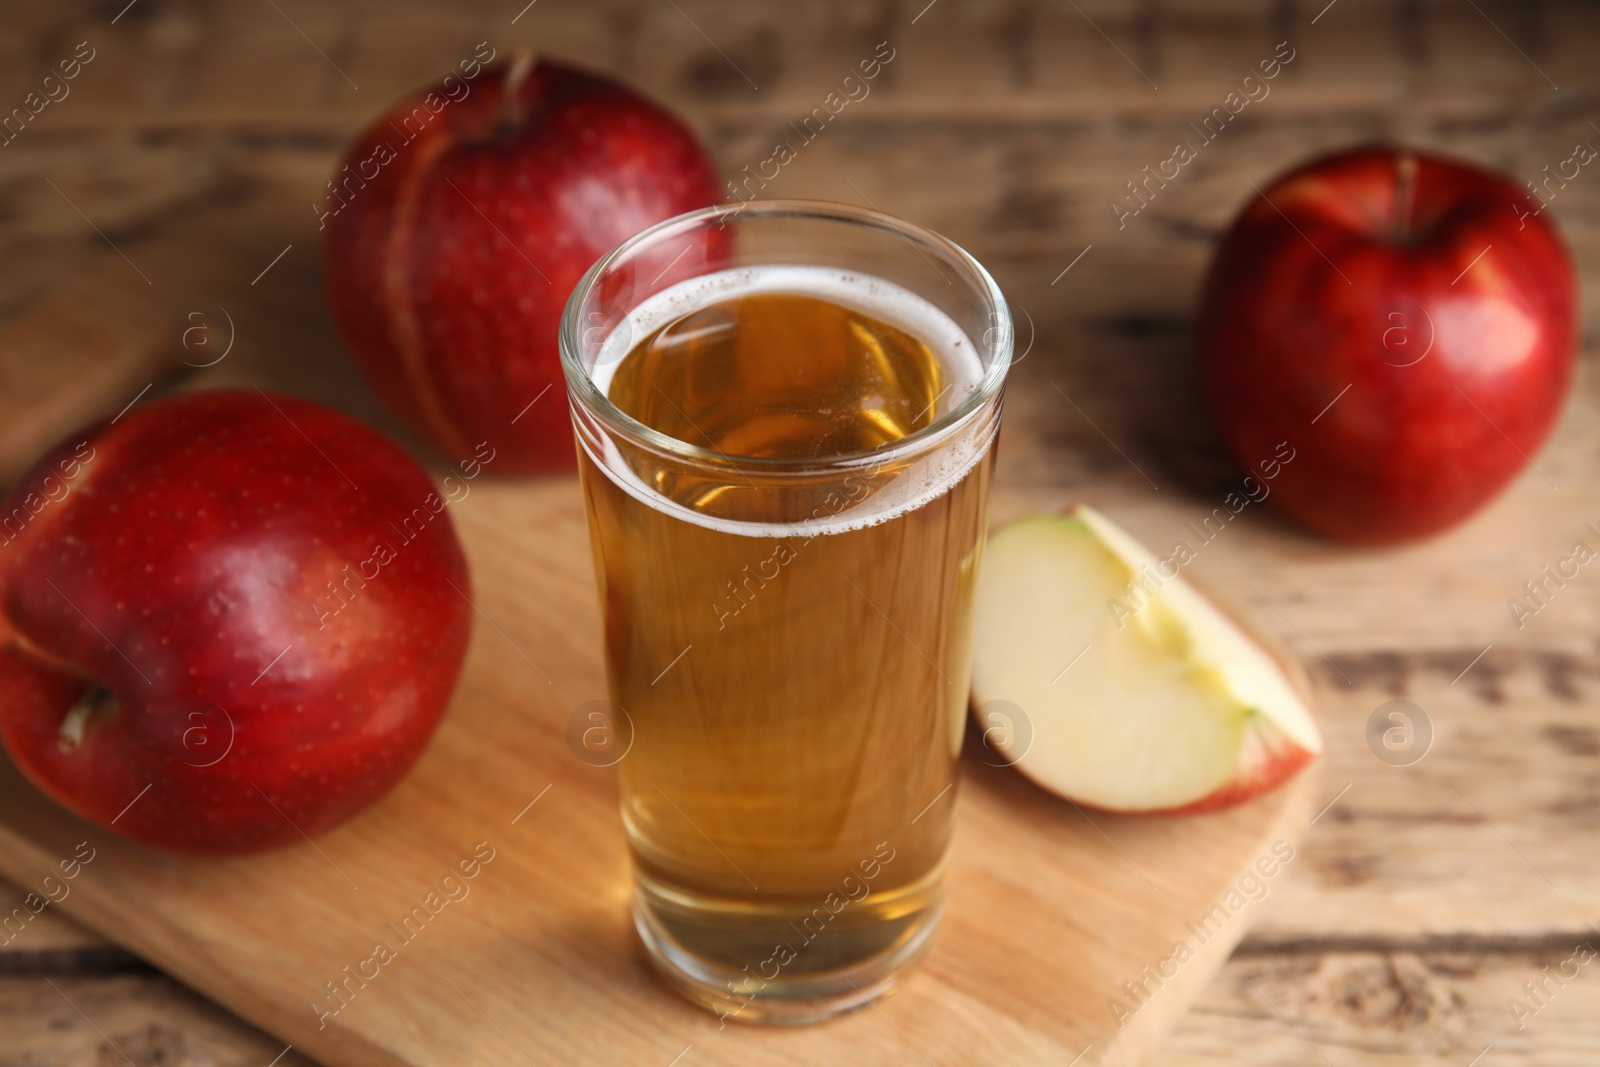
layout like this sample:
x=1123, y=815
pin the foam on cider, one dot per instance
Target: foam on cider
x=959, y=446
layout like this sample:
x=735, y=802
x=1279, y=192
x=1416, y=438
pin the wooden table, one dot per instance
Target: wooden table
x=1426, y=895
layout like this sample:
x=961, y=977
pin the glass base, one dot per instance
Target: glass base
x=779, y=983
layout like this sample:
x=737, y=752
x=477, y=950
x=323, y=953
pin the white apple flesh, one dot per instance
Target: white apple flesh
x=1142, y=696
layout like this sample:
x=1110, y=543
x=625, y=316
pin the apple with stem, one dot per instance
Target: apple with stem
x=1140, y=695
x=227, y=620
x=1407, y=322
x=461, y=219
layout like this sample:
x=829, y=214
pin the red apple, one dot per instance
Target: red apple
x=226, y=620
x=460, y=221
x=1405, y=322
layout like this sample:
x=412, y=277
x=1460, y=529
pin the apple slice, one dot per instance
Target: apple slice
x=1141, y=695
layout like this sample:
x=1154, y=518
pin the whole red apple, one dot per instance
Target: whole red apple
x=226, y=620
x=1405, y=322
x=460, y=221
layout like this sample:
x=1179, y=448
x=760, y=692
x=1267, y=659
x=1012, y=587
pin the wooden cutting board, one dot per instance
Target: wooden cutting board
x=1051, y=912
x=1051, y=909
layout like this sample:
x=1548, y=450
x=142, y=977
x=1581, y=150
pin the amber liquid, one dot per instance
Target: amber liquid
x=795, y=667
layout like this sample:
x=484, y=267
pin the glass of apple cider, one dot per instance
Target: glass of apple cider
x=786, y=415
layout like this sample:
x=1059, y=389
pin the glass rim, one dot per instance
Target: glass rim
x=582, y=389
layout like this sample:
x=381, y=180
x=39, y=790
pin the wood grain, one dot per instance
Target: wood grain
x=1393, y=1008
x=1360, y=1009
x=51, y=943
x=143, y=1020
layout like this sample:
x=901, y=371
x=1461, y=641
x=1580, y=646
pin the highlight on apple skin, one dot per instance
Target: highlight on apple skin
x=228, y=619
x=458, y=222
x=1142, y=696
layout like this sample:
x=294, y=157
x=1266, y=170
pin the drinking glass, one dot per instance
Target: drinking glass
x=785, y=414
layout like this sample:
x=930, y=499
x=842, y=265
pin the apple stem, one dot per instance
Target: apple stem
x=511, y=93
x=97, y=703
x=1406, y=167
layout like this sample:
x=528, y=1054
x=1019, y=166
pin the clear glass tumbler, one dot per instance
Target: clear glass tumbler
x=786, y=415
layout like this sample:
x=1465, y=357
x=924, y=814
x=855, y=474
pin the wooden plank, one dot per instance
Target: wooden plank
x=1359, y=1008
x=145, y=1020
x=39, y=936
x=1396, y=1009
x=171, y=64
x=1475, y=839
